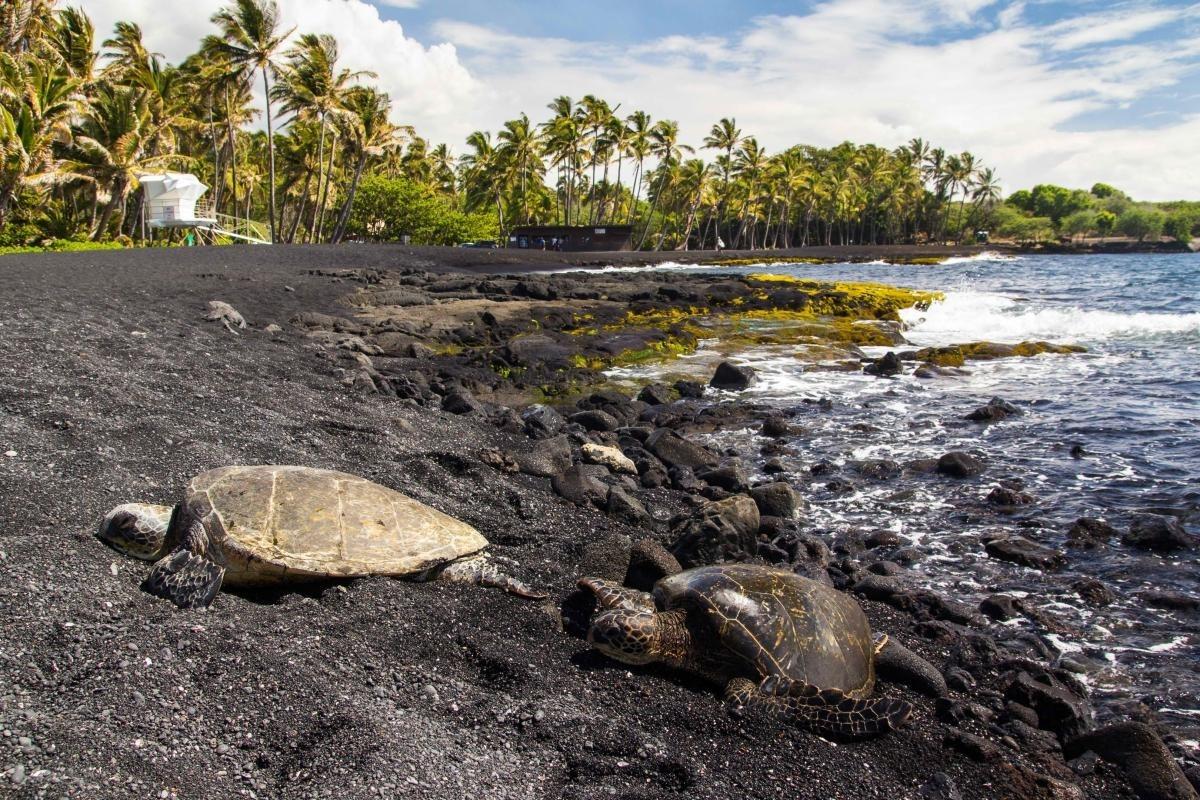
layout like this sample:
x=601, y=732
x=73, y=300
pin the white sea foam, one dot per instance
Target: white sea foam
x=665, y=266
x=976, y=316
x=986, y=255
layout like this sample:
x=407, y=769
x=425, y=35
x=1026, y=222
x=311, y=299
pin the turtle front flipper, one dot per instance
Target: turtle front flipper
x=186, y=579
x=610, y=595
x=827, y=711
x=186, y=576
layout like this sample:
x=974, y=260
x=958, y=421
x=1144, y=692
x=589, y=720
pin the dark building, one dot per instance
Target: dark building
x=572, y=238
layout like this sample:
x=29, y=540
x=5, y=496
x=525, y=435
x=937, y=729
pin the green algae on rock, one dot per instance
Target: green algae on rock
x=959, y=354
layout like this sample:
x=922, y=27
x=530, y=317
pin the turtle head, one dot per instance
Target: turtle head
x=633, y=637
x=136, y=529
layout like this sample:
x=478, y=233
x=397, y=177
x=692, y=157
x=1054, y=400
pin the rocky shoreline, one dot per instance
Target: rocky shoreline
x=484, y=395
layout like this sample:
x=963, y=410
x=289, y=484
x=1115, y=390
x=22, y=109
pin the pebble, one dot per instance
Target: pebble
x=429, y=692
x=10, y=453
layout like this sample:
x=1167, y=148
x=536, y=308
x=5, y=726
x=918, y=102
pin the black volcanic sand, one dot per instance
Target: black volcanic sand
x=115, y=389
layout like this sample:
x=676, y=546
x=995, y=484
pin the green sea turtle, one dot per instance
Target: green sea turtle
x=777, y=642
x=273, y=525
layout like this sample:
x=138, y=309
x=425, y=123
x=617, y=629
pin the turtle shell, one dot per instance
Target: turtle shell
x=276, y=524
x=778, y=623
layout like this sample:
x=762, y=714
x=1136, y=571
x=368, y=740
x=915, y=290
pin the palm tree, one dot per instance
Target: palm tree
x=250, y=38
x=483, y=175
x=111, y=148
x=370, y=135
x=311, y=87
x=693, y=184
x=519, y=151
x=40, y=98
x=639, y=148
x=667, y=149
x=724, y=136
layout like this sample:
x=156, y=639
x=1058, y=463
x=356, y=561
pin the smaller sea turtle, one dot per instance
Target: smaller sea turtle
x=777, y=642
x=274, y=525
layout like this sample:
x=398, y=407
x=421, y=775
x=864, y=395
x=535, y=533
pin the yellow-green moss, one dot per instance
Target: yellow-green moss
x=957, y=355
x=860, y=299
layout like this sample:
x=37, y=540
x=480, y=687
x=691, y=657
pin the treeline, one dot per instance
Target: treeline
x=80, y=120
x=1047, y=212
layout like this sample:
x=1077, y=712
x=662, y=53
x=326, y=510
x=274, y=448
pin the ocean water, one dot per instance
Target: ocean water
x=1132, y=402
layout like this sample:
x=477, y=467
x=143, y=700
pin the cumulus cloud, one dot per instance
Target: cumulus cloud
x=428, y=84
x=964, y=74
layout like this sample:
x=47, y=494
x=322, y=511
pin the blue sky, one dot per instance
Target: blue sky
x=1069, y=92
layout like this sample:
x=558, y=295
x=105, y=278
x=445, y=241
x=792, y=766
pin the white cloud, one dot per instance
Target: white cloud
x=428, y=85
x=867, y=70
x=964, y=74
x=399, y=3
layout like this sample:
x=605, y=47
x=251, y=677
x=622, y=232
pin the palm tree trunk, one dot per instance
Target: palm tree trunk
x=650, y=216
x=116, y=199
x=321, y=174
x=344, y=218
x=325, y=196
x=270, y=156
x=233, y=201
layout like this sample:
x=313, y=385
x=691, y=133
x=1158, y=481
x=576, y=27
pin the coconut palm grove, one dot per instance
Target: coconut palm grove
x=84, y=113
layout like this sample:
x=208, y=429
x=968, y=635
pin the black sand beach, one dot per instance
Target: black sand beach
x=116, y=389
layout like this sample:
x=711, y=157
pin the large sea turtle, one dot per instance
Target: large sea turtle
x=273, y=525
x=777, y=642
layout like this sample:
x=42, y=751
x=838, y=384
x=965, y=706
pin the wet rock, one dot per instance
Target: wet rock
x=884, y=568
x=773, y=466
x=611, y=457
x=775, y=427
x=999, y=607
x=676, y=451
x=1008, y=498
x=655, y=394
x=884, y=538
x=731, y=477
x=879, y=588
x=996, y=410
x=691, y=389
x=595, y=420
x=1059, y=709
x=542, y=422
x=1141, y=756
x=649, y=562
x=1088, y=532
x=777, y=500
x=898, y=664
x=581, y=485
x=886, y=366
x=1093, y=592
x=626, y=508
x=1159, y=533
x=725, y=530
x=1025, y=552
x=957, y=464
x=879, y=469
x=1172, y=601
x=731, y=377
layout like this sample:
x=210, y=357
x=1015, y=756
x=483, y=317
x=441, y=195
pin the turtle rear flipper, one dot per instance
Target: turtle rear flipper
x=823, y=711
x=186, y=579
x=480, y=571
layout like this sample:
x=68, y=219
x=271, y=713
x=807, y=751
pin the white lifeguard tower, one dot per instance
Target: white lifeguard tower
x=174, y=200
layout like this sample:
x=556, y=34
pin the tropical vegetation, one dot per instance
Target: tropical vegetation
x=286, y=135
